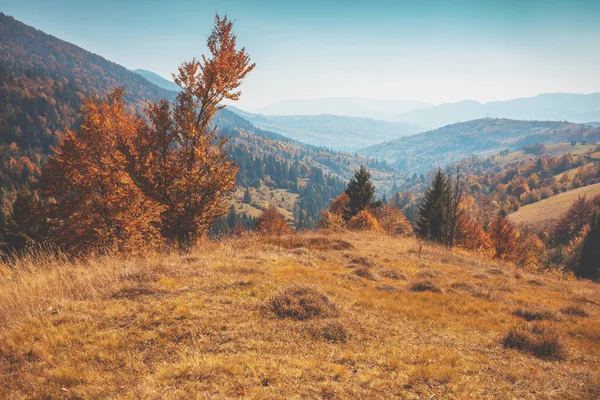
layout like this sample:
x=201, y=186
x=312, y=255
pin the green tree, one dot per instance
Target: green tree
x=247, y=197
x=360, y=192
x=432, y=214
x=589, y=264
x=437, y=214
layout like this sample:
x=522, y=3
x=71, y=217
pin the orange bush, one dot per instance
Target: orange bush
x=363, y=221
x=393, y=221
x=271, y=222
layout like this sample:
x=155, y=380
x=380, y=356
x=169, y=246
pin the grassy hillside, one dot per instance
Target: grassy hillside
x=443, y=146
x=377, y=320
x=552, y=208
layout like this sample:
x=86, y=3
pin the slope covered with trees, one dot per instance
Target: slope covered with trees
x=444, y=146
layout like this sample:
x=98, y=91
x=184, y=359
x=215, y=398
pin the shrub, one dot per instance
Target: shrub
x=541, y=340
x=393, y=221
x=363, y=221
x=330, y=220
x=424, y=286
x=271, y=223
x=301, y=302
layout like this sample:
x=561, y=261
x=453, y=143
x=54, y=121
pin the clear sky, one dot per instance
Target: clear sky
x=435, y=51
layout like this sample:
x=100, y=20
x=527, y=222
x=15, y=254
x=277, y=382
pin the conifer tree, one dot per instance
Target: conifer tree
x=247, y=197
x=589, y=264
x=432, y=215
x=360, y=192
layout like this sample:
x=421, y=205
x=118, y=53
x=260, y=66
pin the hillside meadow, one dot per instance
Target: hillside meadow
x=312, y=315
x=545, y=211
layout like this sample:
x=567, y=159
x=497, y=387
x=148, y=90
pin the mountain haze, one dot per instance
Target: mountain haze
x=157, y=80
x=347, y=106
x=572, y=107
x=336, y=132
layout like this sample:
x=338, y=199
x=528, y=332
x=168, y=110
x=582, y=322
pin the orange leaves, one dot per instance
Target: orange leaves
x=393, y=221
x=97, y=203
x=121, y=182
x=271, y=222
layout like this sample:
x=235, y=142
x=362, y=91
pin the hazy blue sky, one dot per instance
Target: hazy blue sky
x=436, y=51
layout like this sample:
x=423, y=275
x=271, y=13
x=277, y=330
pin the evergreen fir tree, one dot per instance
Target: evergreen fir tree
x=360, y=191
x=589, y=264
x=432, y=214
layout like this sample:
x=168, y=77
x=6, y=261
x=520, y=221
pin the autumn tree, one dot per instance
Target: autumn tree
x=179, y=161
x=504, y=237
x=470, y=235
x=271, y=222
x=571, y=223
x=95, y=204
x=360, y=192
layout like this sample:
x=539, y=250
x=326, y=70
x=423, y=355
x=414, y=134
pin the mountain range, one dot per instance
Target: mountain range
x=346, y=106
x=481, y=137
x=336, y=132
x=572, y=107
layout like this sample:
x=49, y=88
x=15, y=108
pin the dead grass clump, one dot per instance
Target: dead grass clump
x=430, y=273
x=574, y=311
x=391, y=274
x=386, y=288
x=541, y=340
x=301, y=302
x=365, y=272
x=535, y=282
x=363, y=261
x=462, y=286
x=132, y=293
x=330, y=331
x=425, y=286
x=495, y=271
x=535, y=314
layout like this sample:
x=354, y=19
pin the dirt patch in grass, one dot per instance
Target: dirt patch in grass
x=541, y=340
x=301, y=302
x=425, y=286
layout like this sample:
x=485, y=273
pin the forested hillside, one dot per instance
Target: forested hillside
x=43, y=81
x=444, y=146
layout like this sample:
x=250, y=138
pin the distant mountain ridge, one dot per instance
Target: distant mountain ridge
x=158, y=80
x=572, y=107
x=345, y=106
x=443, y=146
x=336, y=132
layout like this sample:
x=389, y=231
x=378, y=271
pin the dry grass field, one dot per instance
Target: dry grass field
x=550, y=209
x=317, y=315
